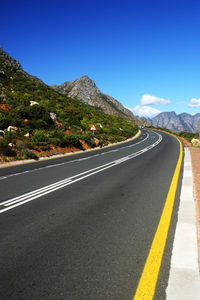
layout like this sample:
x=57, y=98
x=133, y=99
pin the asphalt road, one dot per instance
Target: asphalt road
x=81, y=227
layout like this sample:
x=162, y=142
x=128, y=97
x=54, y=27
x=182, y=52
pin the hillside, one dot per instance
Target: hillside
x=176, y=123
x=85, y=90
x=46, y=120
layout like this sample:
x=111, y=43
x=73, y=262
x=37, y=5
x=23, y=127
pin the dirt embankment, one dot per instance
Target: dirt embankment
x=195, y=159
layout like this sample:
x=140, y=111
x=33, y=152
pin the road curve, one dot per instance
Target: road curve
x=81, y=227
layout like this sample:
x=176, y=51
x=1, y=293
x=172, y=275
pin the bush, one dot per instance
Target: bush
x=15, y=120
x=73, y=140
x=39, y=137
x=21, y=112
x=10, y=136
x=24, y=151
x=57, y=134
x=36, y=124
x=5, y=149
x=4, y=122
x=44, y=146
x=57, y=138
x=188, y=135
x=37, y=112
x=20, y=145
x=87, y=138
x=27, y=153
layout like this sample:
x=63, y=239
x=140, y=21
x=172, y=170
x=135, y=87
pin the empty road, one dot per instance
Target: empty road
x=81, y=227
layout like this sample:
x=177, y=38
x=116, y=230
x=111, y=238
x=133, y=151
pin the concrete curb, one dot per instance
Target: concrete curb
x=184, y=277
x=28, y=161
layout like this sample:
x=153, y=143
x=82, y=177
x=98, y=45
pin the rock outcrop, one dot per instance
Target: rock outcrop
x=195, y=142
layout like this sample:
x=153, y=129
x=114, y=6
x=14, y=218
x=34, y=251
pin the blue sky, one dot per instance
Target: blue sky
x=144, y=53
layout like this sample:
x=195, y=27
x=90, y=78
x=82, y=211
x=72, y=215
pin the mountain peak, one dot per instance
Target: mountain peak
x=85, y=90
x=84, y=77
x=86, y=81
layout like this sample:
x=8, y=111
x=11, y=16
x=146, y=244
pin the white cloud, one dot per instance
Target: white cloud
x=145, y=111
x=194, y=102
x=153, y=100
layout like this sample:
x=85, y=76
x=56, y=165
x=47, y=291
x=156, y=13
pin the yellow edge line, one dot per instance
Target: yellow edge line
x=149, y=277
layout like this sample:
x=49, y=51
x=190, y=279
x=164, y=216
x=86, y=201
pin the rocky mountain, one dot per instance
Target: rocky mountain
x=190, y=122
x=85, y=90
x=176, y=123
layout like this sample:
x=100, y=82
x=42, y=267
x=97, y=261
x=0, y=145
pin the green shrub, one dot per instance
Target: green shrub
x=37, y=112
x=57, y=138
x=188, y=135
x=88, y=139
x=73, y=140
x=56, y=142
x=39, y=137
x=24, y=151
x=5, y=149
x=27, y=153
x=40, y=124
x=21, y=112
x=20, y=145
x=4, y=122
x=10, y=136
x=44, y=146
x=57, y=134
x=14, y=120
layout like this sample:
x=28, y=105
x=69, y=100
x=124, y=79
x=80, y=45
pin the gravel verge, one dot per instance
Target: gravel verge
x=195, y=159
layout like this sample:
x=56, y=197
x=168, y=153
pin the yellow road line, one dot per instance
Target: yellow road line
x=148, y=280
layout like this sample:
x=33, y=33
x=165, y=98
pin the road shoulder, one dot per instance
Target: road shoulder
x=184, y=278
x=195, y=159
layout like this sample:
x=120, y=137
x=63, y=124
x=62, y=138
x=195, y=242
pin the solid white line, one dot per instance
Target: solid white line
x=7, y=202
x=49, y=186
x=49, y=191
x=72, y=161
x=17, y=201
x=40, y=191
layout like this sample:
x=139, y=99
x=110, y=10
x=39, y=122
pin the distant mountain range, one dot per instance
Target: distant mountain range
x=85, y=90
x=176, y=123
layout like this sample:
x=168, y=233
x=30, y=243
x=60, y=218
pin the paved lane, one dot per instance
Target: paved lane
x=22, y=179
x=89, y=239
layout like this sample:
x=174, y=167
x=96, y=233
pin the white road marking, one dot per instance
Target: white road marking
x=72, y=161
x=22, y=199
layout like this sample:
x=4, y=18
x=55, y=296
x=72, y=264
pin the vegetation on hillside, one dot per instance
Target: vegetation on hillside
x=188, y=135
x=184, y=134
x=53, y=120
